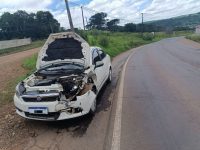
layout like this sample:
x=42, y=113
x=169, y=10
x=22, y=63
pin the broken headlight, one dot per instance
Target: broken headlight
x=20, y=89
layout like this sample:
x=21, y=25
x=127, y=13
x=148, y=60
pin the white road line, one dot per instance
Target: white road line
x=117, y=122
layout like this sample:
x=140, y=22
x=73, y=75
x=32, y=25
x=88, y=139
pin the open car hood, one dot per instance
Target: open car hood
x=64, y=47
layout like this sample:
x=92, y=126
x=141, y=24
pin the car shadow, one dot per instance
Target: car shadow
x=76, y=127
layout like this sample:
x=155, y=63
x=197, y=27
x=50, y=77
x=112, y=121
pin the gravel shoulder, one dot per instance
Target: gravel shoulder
x=12, y=128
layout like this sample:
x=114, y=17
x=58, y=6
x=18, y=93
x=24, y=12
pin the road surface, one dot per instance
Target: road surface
x=161, y=97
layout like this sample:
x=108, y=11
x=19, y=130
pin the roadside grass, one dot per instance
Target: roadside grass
x=7, y=94
x=34, y=44
x=30, y=63
x=194, y=37
x=112, y=43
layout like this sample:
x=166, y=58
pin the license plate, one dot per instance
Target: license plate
x=38, y=110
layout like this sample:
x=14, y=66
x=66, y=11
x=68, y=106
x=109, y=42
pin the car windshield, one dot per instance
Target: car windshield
x=61, y=68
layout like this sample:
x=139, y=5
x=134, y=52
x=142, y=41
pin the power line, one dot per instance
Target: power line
x=95, y=11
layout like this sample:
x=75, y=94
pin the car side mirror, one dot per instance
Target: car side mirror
x=99, y=64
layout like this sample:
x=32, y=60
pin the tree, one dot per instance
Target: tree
x=21, y=24
x=112, y=25
x=130, y=27
x=97, y=21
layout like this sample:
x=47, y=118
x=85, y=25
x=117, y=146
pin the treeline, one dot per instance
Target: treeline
x=99, y=21
x=180, y=23
x=22, y=24
x=39, y=25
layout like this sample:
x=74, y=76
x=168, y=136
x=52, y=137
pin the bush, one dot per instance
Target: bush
x=148, y=36
x=93, y=42
x=95, y=32
x=131, y=44
x=194, y=37
x=83, y=34
x=30, y=63
x=104, y=41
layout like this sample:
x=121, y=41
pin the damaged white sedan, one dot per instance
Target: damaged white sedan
x=69, y=76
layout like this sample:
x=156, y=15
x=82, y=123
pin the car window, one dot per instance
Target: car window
x=95, y=57
x=102, y=54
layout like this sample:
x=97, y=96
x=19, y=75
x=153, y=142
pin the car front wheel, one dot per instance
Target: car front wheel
x=93, y=108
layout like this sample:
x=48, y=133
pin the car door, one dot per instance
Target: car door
x=98, y=70
x=106, y=65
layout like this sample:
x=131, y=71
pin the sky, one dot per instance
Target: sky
x=126, y=10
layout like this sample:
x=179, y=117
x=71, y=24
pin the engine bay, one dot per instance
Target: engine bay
x=66, y=87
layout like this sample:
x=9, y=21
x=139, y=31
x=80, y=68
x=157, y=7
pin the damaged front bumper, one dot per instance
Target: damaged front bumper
x=55, y=110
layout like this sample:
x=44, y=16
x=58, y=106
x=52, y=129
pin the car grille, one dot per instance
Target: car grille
x=49, y=116
x=41, y=99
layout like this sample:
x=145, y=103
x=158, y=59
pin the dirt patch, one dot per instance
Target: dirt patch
x=12, y=127
x=10, y=66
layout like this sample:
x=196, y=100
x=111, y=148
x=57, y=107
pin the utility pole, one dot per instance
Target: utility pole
x=86, y=20
x=83, y=18
x=142, y=23
x=69, y=16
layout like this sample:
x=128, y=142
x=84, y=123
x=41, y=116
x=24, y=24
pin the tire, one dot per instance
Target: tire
x=109, y=80
x=93, y=108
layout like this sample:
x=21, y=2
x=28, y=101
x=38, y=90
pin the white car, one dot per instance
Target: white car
x=68, y=78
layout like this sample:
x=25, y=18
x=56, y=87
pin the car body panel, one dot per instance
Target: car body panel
x=85, y=50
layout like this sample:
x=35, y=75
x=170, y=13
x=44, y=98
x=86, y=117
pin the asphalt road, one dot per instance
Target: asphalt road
x=161, y=97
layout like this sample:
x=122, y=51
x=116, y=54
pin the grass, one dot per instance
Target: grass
x=111, y=43
x=30, y=63
x=34, y=44
x=7, y=94
x=120, y=42
x=194, y=37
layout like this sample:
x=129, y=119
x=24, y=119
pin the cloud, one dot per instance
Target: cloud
x=126, y=10
x=29, y=5
x=160, y=9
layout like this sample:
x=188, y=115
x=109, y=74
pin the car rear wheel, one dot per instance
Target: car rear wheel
x=109, y=80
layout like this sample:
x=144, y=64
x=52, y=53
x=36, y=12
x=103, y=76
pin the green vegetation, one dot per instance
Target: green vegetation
x=194, y=37
x=34, y=44
x=22, y=24
x=113, y=43
x=30, y=63
x=7, y=94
